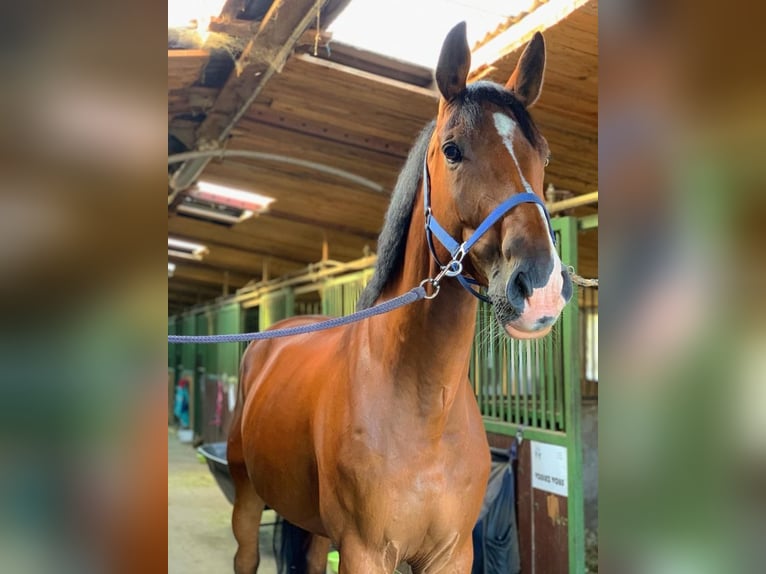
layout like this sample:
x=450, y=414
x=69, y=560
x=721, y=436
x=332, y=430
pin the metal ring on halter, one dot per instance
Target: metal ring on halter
x=434, y=284
x=453, y=268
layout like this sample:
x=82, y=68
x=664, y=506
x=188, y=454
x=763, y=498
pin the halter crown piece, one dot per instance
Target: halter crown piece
x=458, y=251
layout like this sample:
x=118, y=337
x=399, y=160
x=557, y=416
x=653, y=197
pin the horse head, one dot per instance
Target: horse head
x=484, y=150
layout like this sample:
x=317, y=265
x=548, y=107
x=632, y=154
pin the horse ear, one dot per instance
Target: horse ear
x=454, y=63
x=526, y=81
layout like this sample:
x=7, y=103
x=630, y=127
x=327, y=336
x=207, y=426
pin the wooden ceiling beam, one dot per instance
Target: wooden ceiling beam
x=190, y=100
x=257, y=136
x=213, y=235
x=343, y=228
x=184, y=67
x=184, y=301
x=185, y=286
x=202, y=274
x=378, y=64
x=284, y=239
x=191, y=298
x=263, y=56
x=324, y=130
x=241, y=259
x=301, y=192
x=377, y=85
x=232, y=8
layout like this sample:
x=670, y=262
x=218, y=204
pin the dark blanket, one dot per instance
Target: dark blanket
x=495, y=536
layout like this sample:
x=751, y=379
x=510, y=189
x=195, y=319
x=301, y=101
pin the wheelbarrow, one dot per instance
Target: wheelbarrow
x=215, y=456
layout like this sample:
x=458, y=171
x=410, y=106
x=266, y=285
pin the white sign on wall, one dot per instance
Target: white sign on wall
x=549, y=468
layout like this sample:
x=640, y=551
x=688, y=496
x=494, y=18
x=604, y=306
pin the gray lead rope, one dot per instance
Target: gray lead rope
x=581, y=281
x=409, y=297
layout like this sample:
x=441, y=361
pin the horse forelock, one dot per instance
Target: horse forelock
x=469, y=109
x=393, y=237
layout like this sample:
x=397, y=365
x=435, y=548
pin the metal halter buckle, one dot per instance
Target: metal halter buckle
x=434, y=283
x=451, y=269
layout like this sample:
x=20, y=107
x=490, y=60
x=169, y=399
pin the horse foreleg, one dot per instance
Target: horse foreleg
x=245, y=520
x=316, y=556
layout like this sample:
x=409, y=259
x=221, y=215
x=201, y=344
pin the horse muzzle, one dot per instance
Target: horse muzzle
x=534, y=300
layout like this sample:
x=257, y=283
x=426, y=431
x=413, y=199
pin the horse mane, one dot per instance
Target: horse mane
x=393, y=236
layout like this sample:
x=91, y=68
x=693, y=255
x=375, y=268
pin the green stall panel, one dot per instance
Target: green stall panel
x=228, y=320
x=209, y=352
x=172, y=348
x=274, y=307
x=173, y=358
x=188, y=350
x=188, y=359
x=339, y=295
x=202, y=327
x=533, y=387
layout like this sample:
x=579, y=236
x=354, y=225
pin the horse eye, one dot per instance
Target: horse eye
x=452, y=152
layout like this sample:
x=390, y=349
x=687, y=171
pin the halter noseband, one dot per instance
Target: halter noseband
x=458, y=251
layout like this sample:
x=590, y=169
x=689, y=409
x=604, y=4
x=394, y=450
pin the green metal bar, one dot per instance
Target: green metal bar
x=588, y=222
x=516, y=382
x=540, y=351
x=528, y=433
x=507, y=390
x=472, y=375
x=550, y=376
x=524, y=380
x=560, y=422
x=490, y=361
x=187, y=351
x=495, y=366
x=477, y=380
x=572, y=395
x=201, y=327
x=472, y=365
x=532, y=358
x=485, y=359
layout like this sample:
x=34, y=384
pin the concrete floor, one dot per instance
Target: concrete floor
x=199, y=518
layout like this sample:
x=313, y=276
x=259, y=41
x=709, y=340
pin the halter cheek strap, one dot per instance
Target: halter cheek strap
x=458, y=251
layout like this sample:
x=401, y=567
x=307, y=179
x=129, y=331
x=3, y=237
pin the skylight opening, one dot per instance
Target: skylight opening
x=193, y=15
x=414, y=31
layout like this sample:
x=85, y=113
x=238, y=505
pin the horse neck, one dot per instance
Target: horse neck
x=429, y=344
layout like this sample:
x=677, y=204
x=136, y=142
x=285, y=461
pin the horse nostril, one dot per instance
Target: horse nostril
x=519, y=289
x=566, y=287
x=523, y=285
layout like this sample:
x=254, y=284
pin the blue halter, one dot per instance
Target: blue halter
x=458, y=251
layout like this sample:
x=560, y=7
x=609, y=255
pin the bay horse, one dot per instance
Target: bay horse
x=369, y=435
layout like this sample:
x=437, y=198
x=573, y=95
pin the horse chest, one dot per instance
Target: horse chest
x=408, y=492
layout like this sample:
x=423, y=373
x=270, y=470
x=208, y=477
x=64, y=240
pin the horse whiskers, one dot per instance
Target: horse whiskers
x=488, y=335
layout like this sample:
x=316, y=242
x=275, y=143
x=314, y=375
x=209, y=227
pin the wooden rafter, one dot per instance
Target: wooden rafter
x=207, y=275
x=264, y=55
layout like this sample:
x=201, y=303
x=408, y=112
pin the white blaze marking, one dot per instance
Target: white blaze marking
x=506, y=127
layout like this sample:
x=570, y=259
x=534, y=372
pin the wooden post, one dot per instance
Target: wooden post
x=265, y=270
